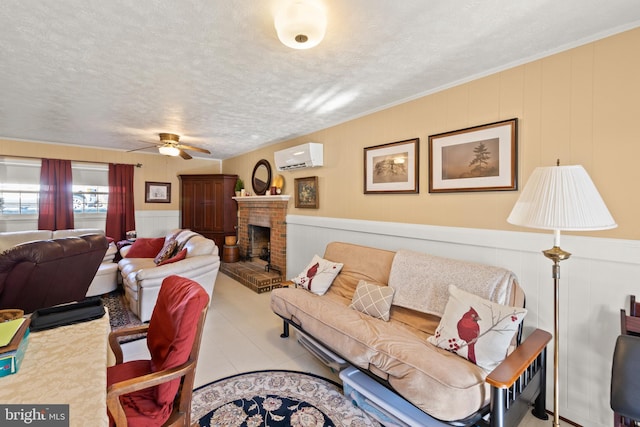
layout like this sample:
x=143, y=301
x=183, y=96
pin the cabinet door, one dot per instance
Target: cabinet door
x=207, y=206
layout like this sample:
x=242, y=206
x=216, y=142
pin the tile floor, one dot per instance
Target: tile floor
x=242, y=334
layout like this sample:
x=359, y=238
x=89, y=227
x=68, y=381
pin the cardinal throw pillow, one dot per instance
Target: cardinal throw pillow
x=477, y=329
x=318, y=275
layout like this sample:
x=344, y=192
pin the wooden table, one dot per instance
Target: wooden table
x=65, y=365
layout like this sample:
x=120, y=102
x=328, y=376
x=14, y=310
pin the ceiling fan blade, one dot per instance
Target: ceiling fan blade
x=189, y=147
x=185, y=155
x=142, y=148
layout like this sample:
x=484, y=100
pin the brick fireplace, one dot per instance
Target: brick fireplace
x=263, y=212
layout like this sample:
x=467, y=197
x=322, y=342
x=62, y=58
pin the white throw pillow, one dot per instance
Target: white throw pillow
x=374, y=300
x=318, y=275
x=477, y=329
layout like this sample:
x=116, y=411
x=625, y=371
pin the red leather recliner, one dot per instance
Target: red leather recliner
x=45, y=273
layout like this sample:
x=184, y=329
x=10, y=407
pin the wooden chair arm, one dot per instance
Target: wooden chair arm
x=505, y=374
x=113, y=339
x=631, y=324
x=114, y=391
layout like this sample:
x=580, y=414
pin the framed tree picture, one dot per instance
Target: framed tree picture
x=306, y=192
x=392, y=167
x=480, y=158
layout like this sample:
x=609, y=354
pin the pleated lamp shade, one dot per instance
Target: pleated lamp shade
x=561, y=198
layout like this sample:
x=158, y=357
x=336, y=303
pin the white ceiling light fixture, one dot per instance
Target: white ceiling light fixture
x=169, y=150
x=301, y=24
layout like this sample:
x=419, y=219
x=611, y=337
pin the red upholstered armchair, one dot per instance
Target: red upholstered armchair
x=158, y=392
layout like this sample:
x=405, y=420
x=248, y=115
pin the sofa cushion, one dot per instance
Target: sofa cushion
x=373, y=300
x=427, y=376
x=75, y=232
x=177, y=257
x=9, y=239
x=477, y=329
x=359, y=263
x=318, y=275
x=145, y=247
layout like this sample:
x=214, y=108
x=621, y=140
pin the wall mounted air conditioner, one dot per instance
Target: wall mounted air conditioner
x=307, y=155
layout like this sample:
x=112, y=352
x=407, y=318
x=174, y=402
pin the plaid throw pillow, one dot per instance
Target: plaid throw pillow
x=373, y=300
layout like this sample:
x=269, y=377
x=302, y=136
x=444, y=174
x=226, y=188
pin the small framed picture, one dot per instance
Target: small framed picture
x=157, y=192
x=480, y=158
x=392, y=167
x=306, y=192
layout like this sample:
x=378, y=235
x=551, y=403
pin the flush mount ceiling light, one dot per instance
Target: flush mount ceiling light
x=301, y=24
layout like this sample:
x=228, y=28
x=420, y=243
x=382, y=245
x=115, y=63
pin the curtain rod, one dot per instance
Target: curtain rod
x=138, y=165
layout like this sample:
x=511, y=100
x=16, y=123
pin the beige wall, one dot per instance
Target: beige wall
x=581, y=106
x=154, y=168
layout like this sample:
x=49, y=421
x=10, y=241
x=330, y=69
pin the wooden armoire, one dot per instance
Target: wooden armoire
x=207, y=207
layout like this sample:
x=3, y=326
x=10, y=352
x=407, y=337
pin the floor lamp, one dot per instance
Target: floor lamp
x=560, y=198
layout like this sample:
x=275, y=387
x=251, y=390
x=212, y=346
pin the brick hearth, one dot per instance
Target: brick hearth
x=265, y=211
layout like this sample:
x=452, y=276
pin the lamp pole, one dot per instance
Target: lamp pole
x=556, y=255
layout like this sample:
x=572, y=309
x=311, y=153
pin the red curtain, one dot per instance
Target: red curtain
x=120, y=211
x=55, y=207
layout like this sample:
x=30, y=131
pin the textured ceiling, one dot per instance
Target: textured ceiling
x=115, y=73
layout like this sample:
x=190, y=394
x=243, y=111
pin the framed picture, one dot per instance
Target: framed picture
x=157, y=192
x=392, y=167
x=306, y=192
x=480, y=158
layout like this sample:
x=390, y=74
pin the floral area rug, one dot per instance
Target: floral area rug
x=275, y=398
x=119, y=314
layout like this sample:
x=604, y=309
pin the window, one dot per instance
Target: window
x=20, y=187
x=90, y=187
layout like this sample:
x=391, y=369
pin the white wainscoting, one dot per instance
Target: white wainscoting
x=148, y=223
x=156, y=223
x=30, y=222
x=595, y=284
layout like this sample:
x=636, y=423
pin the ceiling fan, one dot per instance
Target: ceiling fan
x=170, y=145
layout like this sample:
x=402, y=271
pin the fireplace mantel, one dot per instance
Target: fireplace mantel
x=280, y=198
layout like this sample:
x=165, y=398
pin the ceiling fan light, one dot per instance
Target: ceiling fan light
x=168, y=150
x=301, y=24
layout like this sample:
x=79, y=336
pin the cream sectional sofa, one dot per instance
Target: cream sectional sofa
x=444, y=386
x=105, y=279
x=141, y=277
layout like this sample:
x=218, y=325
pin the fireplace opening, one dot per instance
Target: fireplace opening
x=259, y=238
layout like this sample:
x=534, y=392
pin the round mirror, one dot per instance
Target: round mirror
x=261, y=178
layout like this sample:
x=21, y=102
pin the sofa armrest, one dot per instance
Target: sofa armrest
x=517, y=362
x=123, y=250
x=179, y=267
x=520, y=381
x=110, y=255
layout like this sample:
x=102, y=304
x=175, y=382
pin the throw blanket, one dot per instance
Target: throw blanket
x=421, y=281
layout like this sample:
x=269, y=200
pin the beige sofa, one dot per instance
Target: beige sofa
x=397, y=354
x=105, y=279
x=141, y=277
